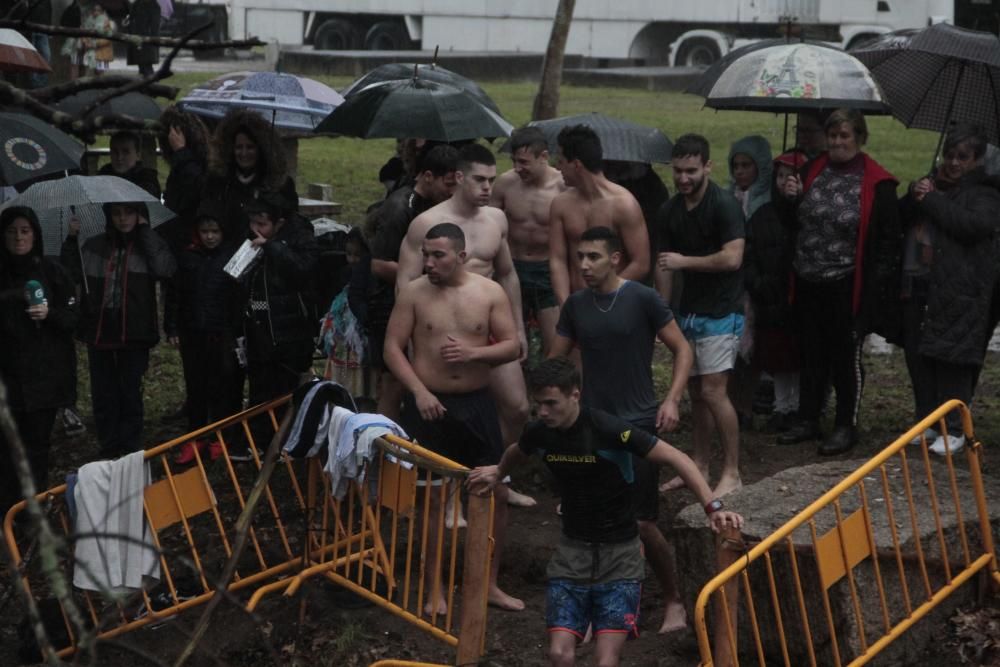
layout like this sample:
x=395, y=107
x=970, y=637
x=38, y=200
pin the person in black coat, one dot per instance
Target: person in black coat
x=144, y=19
x=118, y=271
x=201, y=313
x=125, y=163
x=37, y=354
x=280, y=315
x=950, y=264
x=184, y=144
x=247, y=159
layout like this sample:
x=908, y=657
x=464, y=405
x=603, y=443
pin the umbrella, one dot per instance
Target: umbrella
x=938, y=75
x=166, y=9
x=414, y=108
x=31, y=148
x=396, y=71
x=17, y=54
x=55, y=202
x=131, y=104
x=289, y=102
x=620, y=139
x=789, y=77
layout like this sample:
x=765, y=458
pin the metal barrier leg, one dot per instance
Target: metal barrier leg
x=475, y=584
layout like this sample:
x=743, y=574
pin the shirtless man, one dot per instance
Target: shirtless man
x=488, y=255
x=525, y=194
x=591, y=200
x=460, y=326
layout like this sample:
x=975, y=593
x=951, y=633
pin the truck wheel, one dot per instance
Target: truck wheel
x=388, y=36
x=697, y=52
x=337, y=35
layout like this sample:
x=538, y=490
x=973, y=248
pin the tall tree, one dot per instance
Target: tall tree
x=547, y=100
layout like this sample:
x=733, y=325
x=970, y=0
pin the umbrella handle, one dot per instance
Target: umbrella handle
x=83, y=271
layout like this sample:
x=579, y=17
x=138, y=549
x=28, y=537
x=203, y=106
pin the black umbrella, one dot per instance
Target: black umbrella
x=620, y=139
x=938, y=75
x=31, y=148
x=131, y=104
x=414, y=108
x=396, y=71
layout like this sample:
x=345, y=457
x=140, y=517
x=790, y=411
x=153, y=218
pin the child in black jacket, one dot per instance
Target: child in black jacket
x=201, y=316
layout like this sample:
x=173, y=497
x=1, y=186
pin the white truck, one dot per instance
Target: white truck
x=675, y=32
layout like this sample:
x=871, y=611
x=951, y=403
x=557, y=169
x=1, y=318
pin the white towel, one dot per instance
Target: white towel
x=109, y=506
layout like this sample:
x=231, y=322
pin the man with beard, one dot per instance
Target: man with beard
x=460, y=327
x=386, y=228
x=702, y=236
x=488, y=255
x=525, y=194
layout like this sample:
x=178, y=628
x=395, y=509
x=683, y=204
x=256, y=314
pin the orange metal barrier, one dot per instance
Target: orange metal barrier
x=371, y=542
x=826, y=564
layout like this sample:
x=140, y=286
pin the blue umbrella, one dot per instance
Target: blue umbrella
x=289, y=102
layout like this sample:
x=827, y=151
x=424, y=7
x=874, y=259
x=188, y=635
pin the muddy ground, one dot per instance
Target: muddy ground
x=322, y=626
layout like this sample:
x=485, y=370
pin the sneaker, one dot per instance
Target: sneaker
x=72, y=424
x=241, y=454
x=929, y=435
x=186, y=452
x=955, y=443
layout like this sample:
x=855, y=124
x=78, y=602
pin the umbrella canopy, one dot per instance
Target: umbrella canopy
x=31, y=148
x=18, y=55
x=938, y=75
x=620, y=139
x=55, y=202
x=131, y=104
x=414, y=108
x=289, y=102
x=788, y=77
x=396, y=71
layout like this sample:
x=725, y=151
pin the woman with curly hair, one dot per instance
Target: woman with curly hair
x=184, y=142
x=248, y=159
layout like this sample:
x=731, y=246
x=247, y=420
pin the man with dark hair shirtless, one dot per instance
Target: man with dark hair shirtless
x=488, y=254
x=385, y=229
x=460, y=326
x=591, y=200
x=525, y=195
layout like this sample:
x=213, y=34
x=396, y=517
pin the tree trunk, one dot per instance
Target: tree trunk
x=547, y=101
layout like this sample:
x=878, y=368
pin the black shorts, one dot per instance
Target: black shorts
x=468, y=434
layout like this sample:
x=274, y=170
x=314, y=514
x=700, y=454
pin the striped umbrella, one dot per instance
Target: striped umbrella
x=18, y=55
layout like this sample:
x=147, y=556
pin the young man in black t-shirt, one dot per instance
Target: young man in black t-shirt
x=702, y=236
x=615, y=323
x=595, y=573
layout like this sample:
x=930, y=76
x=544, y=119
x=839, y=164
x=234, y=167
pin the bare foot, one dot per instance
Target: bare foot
x=449, y=515
x=442, y=608
x=497, y=598
x=519, y=499
x=672, y=485
x=674, y=618
x=727, y=484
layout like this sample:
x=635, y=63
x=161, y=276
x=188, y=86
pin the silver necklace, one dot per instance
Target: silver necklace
x=593, y=295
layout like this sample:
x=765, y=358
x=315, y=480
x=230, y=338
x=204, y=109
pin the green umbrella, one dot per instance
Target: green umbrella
x=414, y=108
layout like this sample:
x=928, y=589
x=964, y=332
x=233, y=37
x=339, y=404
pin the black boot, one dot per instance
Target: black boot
x=841, y=440
x=804, y=430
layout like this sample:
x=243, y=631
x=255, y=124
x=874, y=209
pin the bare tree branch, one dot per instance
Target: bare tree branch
x=139, y=83
x=58, y=91
x=49, y=546
x=128, y=38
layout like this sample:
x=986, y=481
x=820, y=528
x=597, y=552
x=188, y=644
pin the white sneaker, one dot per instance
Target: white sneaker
x=955, y=443
x=930, y=434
